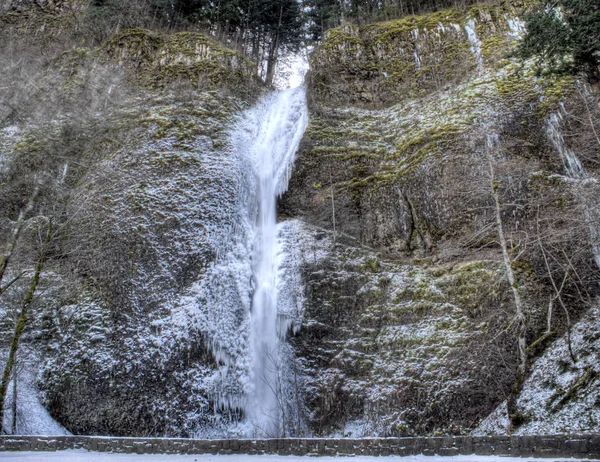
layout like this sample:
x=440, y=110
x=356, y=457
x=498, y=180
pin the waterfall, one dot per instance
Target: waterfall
x=570, y=160
x=280, y=126
x=471, y=30
x=577, y=173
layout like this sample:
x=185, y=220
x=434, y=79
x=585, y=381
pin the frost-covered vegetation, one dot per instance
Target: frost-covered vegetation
x=415, y=151
x=560, y=396
x=388, y=348
x=127, y=149
x=439, y=232
x=147, y=225
x=380, y=64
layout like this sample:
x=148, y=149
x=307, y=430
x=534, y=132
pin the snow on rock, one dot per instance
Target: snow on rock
x=153, y=341
x=471, y=30
x=9, y=136
x=387, y=348
x=559, y=396
x=156, y=341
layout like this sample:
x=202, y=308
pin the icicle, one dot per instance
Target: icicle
x=571, y=162
x=470, y=29
x=275, y=145
x=577, y=172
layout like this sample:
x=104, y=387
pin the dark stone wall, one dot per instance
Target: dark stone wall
x=578, y=446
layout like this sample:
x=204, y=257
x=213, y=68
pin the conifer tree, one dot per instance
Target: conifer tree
x=565, y=35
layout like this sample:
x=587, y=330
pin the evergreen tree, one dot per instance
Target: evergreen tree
x=319, y=16
x=565, y=35
x=261, y=29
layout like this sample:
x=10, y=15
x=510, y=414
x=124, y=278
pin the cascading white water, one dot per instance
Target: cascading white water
x=572, y=164
x=576, y=172
x=284, y=119
x=471, y=30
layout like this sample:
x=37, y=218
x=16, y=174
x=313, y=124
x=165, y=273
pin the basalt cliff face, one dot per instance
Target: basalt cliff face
x=132, y=144
x=403, y=314
x=415, y=125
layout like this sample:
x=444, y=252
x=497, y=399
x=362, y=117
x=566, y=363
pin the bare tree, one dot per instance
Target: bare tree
x=519, y=319
x=14, y=238
x=22, y=321
x=557, y=294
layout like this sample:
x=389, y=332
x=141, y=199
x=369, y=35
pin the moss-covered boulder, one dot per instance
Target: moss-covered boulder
x=151, y=192
x=133, y=142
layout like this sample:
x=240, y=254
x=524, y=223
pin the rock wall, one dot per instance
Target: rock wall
x=158, y=213
x=387, y=348
x=381, y=64
x=405, y=146
x=156, y=60
x=584, y=446
x=407, y=312
x=133, y=142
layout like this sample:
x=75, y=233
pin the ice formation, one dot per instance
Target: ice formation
x=276, y=140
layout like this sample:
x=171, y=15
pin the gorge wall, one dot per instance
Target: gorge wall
x=389, y=248
x=415, y=123
x=142, y=175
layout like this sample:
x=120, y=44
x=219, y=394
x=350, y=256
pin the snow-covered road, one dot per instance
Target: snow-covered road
x=80, y=456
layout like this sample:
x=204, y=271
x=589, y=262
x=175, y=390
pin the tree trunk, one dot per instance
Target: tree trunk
x=21, y=322
x=14, y=238
x=332, y=204
x=519, y=315
x=274, y=49
x=14, y=399
x=261, y=50
x=557, y=292
x=414, y=225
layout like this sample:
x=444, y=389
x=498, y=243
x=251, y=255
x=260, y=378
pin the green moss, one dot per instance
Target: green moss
x=419, y=147
x=422, y=262
x=375, y=64
x=495, y=50
x=554, y=89
x=319, y=129
x=471, y=286
x=439, y=271
x=516, y=85
x=29, y=144
x=154, y=60
x=346, y=35
x=386, y=32
x=371, y=264
x=10, y=17
x=187, y=123
x=135, y=43
x=419, y=289
x=522, y=266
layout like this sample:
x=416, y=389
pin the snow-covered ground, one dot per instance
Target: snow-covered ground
x=70, y=456
x=32, y=417
x=560, y=396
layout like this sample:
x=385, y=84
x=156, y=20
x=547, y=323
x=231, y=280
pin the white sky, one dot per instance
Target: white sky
x=291, y=70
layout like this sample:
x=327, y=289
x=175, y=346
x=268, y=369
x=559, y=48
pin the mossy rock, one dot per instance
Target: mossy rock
x=473, y=286
x=153, y=60
x=384, y=63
